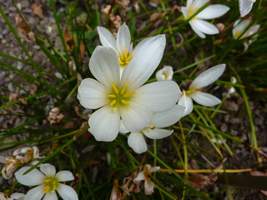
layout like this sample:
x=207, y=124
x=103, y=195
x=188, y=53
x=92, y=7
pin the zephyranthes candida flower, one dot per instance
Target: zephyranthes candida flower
x=197, y=19
x=243, y=29
x=47, y=183
x=156, y=129
x=195, y=89
x=245, y=6
x=125, y=100
x=122, y=44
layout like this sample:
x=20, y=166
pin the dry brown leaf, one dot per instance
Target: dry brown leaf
x=106, y=9
x=156, y=16
x=68, y=38
x=82, y=50
x=123, y=3
x=23, y=28
x=37, y=9
x=200, y=181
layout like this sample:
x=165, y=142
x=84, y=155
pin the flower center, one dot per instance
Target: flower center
x=165, y=75
x=191, y=11
x=191, y=91
x=50, y=184
x=124, y=58
x=119, y=96
x=237, y=34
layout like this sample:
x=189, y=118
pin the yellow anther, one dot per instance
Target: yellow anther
x=124, y=58
x=119, y=96
x=111, y=95
x=113, y=102
x=115, y=89
x=50, y=184
x=125, y=102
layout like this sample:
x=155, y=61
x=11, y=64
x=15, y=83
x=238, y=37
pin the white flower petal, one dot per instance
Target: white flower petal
x=205, y=99
x=168, y=117
x=239, y=27
x=91, y=94
x=189, y=3
x=245, y=6
x=137, y=142
x=34, y=177
x=194, y=26
x=67, y=193
x=64, y=176
x=213, y=11
x=187, y=103
x=208, y=77
x=205, y=27
x=104, y=124
x=48, y=169
x=123, y=38
x=251, y=31
x=50, y=196
x=149, y=187
x=140, y=177
x=199, y=3
x=136, y=117
x=123, y=129
x=35, y=193
x=104, y=66
x=146, y=57
x=157, y=133
x=17, y=196
x=106, y=37
x=158, y=96
x=184, y=11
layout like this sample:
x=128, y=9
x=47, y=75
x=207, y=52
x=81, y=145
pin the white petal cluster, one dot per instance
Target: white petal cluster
x=156, y=129
x=165, y=74
x=122, y=44
x=194, y=92
x=47, y=183
x=244, y=29
x=245, y=6
x=197, y=17
x=121, y=99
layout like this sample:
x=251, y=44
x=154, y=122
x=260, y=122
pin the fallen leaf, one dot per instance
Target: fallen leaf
x=37, y=9
x=23, y=28
x=69, y=41
x=201, y=181
x=82, y=50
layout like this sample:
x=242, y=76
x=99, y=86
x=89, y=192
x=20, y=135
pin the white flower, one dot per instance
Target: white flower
x=156, y=129
x=125, y=99
x=166, y=73
x=245, y=6
x=47, y=183
x=194, y=92
x=14, y=196
x=122, y=44
x=144, y=175
x=243, y=29
x=198, y=21
x=17, y=196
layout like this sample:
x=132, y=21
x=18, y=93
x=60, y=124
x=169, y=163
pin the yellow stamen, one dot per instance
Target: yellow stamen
x=115, y=89
x=119, y=96
x=124, y=58
x=191, y=91
x=50, y=184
